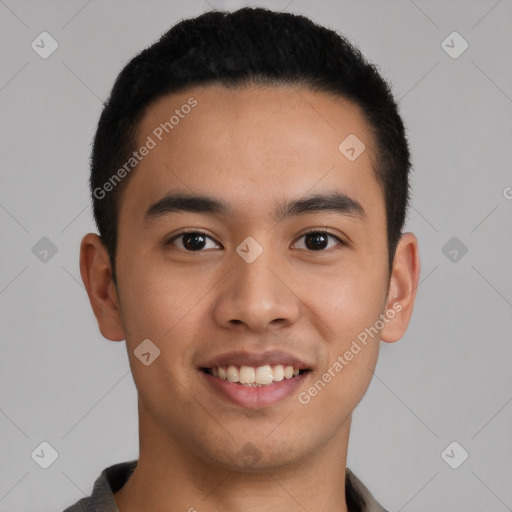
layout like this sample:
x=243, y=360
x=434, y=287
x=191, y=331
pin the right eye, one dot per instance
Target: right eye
x=191, y=241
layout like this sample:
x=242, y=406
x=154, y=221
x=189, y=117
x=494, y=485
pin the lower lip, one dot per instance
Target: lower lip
x=255, y=397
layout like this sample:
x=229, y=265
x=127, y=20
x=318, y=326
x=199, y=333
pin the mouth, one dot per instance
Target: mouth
x=255, y=380
x=251, y=376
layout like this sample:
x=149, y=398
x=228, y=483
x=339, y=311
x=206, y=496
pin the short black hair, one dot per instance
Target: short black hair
x=235, y=49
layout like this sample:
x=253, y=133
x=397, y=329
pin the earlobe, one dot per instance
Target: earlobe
x=402, y=288
x=97, y=278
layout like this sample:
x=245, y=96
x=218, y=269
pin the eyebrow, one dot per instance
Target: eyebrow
x=336, y=202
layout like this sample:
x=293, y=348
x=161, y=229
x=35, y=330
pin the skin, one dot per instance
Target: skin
x=253, y=148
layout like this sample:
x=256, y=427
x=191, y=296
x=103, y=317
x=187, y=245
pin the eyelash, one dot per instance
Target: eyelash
x=307, y=232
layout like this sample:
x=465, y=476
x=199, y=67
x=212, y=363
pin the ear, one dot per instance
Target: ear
x=97, y=278
x=402, y=288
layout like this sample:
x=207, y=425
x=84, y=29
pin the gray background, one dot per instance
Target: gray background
x=449, y=378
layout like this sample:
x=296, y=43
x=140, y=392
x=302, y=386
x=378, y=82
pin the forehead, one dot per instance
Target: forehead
x=249, y=145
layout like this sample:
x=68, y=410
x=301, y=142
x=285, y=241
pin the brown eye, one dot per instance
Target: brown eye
x=192, y=241
x=319, y=240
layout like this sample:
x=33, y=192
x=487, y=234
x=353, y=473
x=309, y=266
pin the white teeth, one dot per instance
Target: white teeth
x=278, y=373
x=232, y=374
x=247, y=375
x=264, y=375
x=253, y=377
x=288, y=372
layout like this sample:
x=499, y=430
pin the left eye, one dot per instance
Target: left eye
x=319, y=240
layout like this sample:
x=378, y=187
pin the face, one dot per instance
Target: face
x=257, y=276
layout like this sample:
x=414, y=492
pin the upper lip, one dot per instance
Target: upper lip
x=245, y=358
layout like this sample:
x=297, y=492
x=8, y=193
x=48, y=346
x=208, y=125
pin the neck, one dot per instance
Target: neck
x=169, y=477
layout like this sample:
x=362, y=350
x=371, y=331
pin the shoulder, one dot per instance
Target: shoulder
x=359, y=498
x=110, y=480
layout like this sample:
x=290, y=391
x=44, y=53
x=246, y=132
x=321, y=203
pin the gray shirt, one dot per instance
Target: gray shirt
x=111, y=479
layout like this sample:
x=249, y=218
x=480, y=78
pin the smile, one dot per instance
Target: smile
x=255, y=376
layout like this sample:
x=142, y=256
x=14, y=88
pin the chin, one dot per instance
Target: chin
x=256, y=456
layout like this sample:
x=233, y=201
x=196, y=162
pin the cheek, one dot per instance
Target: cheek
x=350, y=311
x=162, y=304
x=350, y=308
x=158, y=300
x=349, y=302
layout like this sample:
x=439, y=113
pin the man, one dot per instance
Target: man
x=250, y=185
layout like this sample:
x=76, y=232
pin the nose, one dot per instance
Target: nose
x=257, y=295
